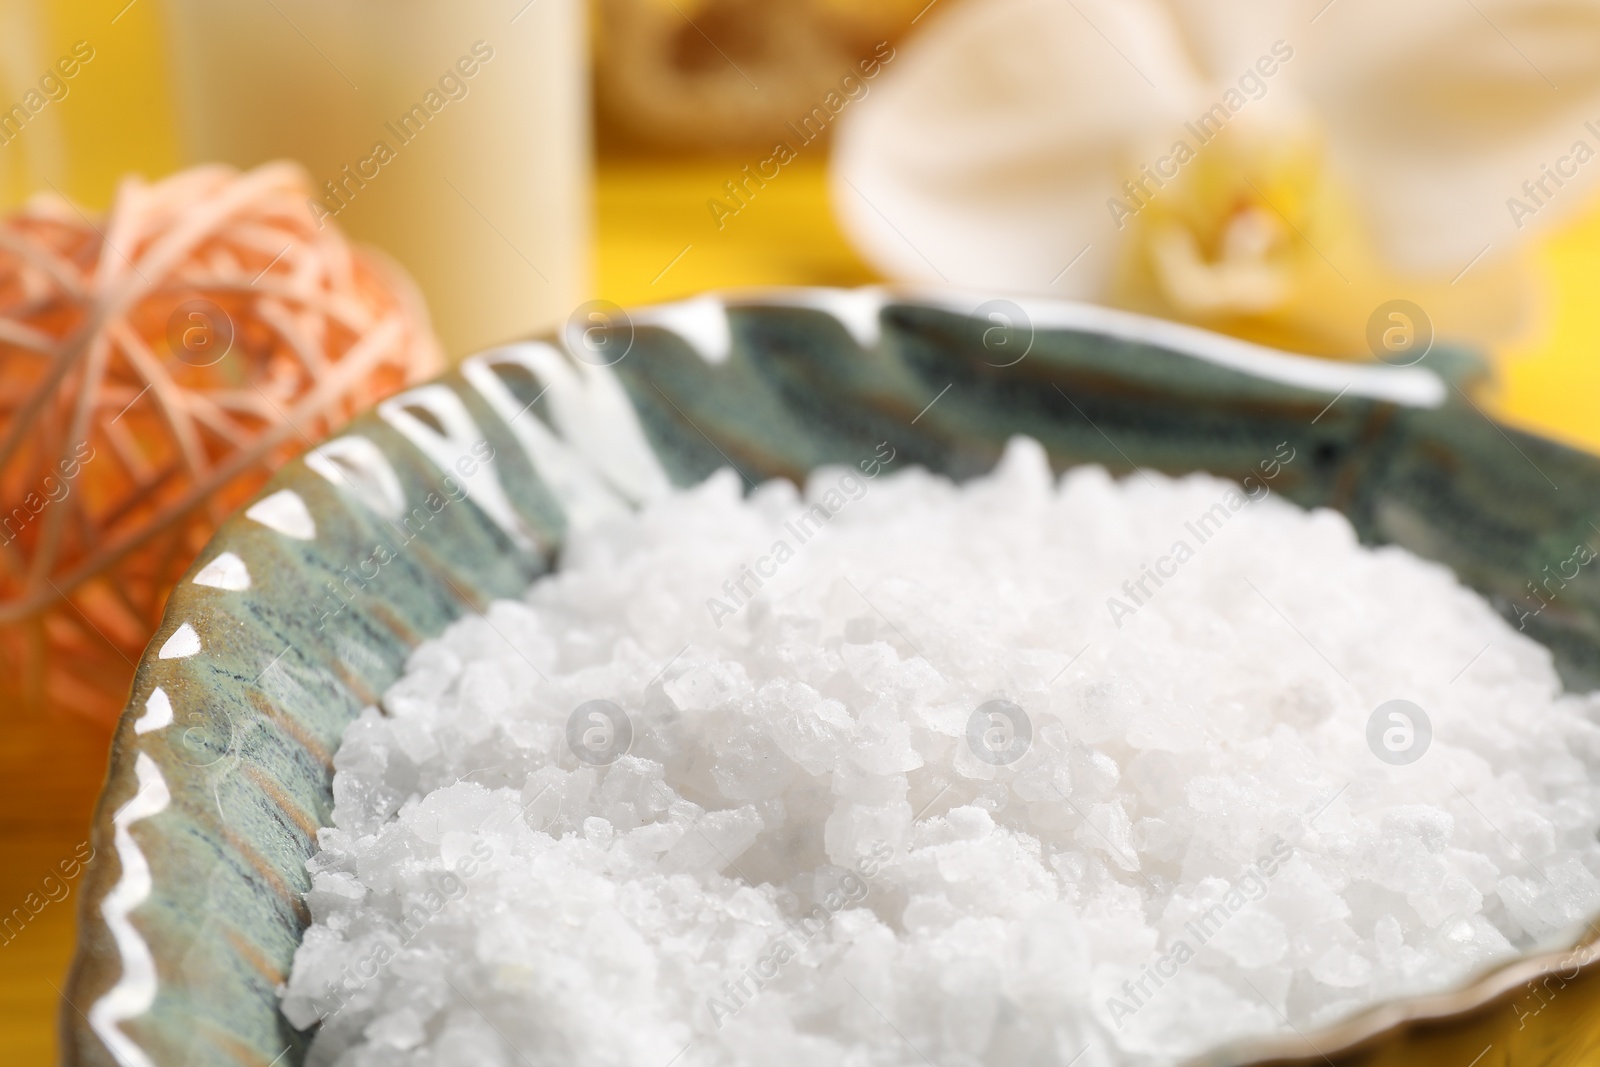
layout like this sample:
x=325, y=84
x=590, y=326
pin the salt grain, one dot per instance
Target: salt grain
x=940, y=774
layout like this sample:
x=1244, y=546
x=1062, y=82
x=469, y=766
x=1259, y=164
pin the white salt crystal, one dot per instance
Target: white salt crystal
x=820, y=844
x=1342, y=968
x=715, y=841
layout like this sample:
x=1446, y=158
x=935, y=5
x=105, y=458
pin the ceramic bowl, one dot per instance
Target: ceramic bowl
x=221, y=766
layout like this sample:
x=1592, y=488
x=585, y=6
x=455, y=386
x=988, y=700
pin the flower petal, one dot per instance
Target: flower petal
x=1437, y=111
x=1225, y=38
x=985, y=154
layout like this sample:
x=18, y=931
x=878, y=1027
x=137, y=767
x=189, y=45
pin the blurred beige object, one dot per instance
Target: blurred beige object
x=728, y=74
x=25, y=162
x=454, y=136
x=1268, y=169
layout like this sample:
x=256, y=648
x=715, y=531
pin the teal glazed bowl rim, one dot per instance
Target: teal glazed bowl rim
x=221, y=765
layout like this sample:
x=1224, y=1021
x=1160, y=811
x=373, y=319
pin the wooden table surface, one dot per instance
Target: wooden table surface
x=656, y=240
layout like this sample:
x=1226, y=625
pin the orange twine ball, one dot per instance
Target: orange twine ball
x=156, y=366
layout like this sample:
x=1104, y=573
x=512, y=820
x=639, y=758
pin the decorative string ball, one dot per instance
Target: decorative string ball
x=156, y=366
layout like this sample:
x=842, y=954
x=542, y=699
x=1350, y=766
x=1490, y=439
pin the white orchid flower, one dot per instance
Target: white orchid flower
x=1276, y=170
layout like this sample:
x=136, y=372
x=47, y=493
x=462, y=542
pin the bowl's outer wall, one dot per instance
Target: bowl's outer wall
x=287, y=664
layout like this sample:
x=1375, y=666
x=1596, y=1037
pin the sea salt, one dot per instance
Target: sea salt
x=1026, y=771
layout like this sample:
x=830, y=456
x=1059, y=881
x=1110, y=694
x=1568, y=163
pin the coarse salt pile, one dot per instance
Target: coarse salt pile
x=946, y=778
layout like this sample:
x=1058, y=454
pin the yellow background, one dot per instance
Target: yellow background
x=654, y=240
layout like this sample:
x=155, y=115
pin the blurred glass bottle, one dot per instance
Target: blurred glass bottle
x=455, y=136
